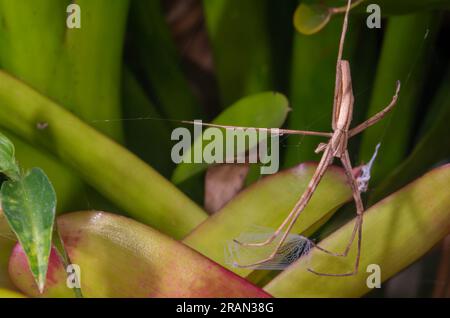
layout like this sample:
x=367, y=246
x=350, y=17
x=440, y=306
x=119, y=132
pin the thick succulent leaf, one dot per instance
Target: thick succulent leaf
x=119, y=257
x=266, y=204
x=68, y=58
x=107, y=166
x=29, y=205
x=7, y=293
x=396, y=232
x=268, y=109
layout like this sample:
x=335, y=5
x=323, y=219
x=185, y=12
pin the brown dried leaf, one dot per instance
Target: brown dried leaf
x=223, y=183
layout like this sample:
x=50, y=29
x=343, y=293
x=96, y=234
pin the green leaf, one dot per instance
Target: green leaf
x=263, y=110
x=119, y=257
x=67, y=183
x=311, y=18
x=267, y=203
x=68, y=58
x=312, y=78
x=429, y=150
x=63, y=72
x=406, y=61
x=8, y=165
x=7, y=293
x=155, y=57
x=239, y=34
x=396, y=232
x=107, y=166
x=29, y=206
x=143, y=136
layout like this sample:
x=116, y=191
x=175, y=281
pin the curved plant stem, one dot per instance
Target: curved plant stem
x=112, y=170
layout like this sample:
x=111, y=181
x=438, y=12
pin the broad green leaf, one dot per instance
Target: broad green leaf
x=239, y=33
x=29, y=205
x=311, y=18
x=429, y=150
x=263, y=110
x=7, y=293
x=144, y=136
x=107, y=166
x=68, y=58
x=313, y=76
x=406, y=61
x=119, y=257
x=64, y=72
x=396, y=232
x=8, y=165
x=155, y=57
x=267, y=203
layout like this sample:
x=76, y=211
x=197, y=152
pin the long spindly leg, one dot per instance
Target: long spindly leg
x=358, y=222
x=378, y=116
x=325, y=162
x=278, y=130
x=347, y=248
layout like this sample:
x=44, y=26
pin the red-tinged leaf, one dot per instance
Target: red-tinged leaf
x=119, y=257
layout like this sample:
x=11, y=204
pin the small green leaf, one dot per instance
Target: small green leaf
x=8, y=165
x=29, y=206
x=311, y=18
x=263, y=110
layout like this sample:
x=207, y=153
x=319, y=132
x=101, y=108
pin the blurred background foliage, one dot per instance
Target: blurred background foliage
x=137, y=66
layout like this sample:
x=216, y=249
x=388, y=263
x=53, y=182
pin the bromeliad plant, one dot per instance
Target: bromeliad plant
x=70, y=123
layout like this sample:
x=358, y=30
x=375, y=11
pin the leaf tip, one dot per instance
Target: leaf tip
x=41, y=284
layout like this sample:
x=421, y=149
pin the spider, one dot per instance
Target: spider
x=336, y=147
